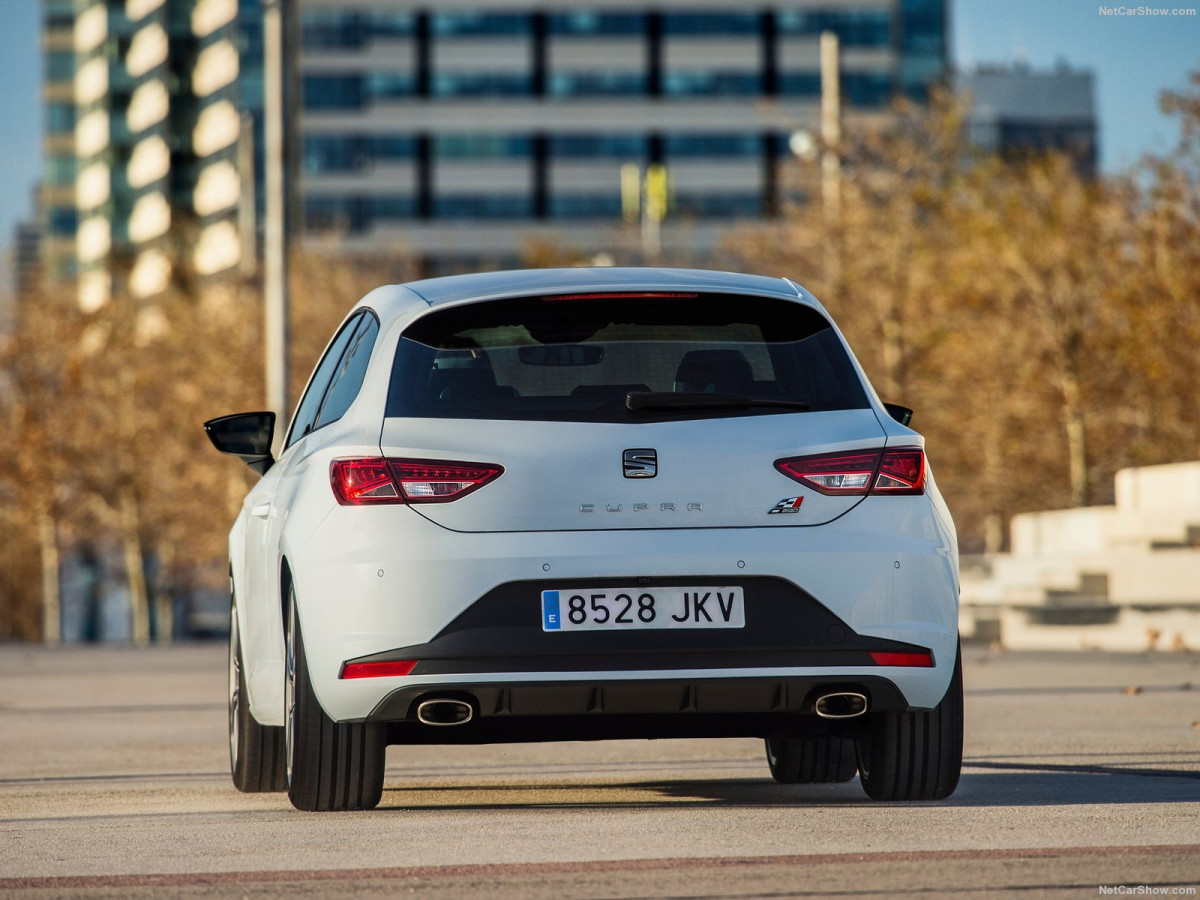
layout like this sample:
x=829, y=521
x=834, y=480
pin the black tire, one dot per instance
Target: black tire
x=330, y=765
x=819, y=760
x=915, y=755
x=256, y=752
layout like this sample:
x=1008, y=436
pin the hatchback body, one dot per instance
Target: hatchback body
x=583, y=504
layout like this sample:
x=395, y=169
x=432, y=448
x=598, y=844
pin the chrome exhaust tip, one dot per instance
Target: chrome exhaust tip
x=841, y=705
x=442, y=712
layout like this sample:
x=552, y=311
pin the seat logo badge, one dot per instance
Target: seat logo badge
x=641, y=463
x=787, y=505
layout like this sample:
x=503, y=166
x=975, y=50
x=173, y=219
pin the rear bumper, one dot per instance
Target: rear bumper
x=386, y=583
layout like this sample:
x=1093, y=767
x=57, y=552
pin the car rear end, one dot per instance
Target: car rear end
x=669, y=506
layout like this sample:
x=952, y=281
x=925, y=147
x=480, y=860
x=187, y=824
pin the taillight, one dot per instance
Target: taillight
x=897, y=471
x=378, y=480
x=621, y=295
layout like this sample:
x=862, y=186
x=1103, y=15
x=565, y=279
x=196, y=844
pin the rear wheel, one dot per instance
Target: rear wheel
x=820, y=760
x=256, y=752
x=915, y=755
x=330, y=765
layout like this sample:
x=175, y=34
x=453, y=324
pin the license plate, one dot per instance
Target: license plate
x=643, y=608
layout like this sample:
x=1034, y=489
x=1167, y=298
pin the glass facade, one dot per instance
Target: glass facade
x=712, y=145
x=598, y=146
x=338, y=30
x=711, y=24
x=597, y=84
x=590, y=23
x=712, y=84
x=355, y=212
x=548, y=60
x=481, y=146
x=354, y=153
x=482, y=206
x=482, y=24
x=922, y=44
x=854, y=27
x=355, y=90
x=482, y=84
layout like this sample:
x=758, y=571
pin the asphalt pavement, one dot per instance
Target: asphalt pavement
x=1081, y=777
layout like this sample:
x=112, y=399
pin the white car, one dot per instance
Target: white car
x=591, y=503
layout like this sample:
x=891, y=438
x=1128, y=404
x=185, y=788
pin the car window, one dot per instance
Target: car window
x=310, y=403
x=577, y=358
x=348, y=377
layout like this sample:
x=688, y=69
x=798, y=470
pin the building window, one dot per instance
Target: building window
x=597, y=84
x=854, y=27
x=389, y=85
x=60, y=65
x=350, y=153
x=712, y=145
x=481, y=206
x=711, y=84
x=800, y=84
x=716, y=24
x=589, y=23
x=867, y=88
x=64, y=220
x=481, y=146
x=356, y=213
x=585, y=206
x=333, y=91
x=60, y=118
x=61, y=169
x=718, y=206
x=598, y=146
x=329, y=30
x=482, y=84
x=356, y=91
x=481, y=24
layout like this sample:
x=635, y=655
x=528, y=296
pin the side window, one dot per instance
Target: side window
x=349, y=375
x=310, y=403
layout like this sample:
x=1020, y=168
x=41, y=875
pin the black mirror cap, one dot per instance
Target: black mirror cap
x=247, y=436
x=901, y=414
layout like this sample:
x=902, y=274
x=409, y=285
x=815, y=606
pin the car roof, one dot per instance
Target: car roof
x=487, y=285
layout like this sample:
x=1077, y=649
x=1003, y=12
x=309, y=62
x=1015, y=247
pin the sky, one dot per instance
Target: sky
x=1133, y=58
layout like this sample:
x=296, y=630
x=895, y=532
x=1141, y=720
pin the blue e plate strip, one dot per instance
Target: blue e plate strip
x=550, y=620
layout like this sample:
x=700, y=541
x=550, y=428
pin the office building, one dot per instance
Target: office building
x=459, y=131
x=1016, y=111
x=164, y=92
x=456, y=131
x=56, y=213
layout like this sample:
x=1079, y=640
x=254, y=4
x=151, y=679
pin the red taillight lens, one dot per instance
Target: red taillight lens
x=858, y=472
x=902, y=471
x=375, y=480
x=914, y=660
x=432, y=481
x=378, y=669
x=833, y=473
x=363, y=481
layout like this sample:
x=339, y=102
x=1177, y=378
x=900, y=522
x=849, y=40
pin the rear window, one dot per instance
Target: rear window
x=576, y=360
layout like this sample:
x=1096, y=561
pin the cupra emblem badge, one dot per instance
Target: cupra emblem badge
x=641, y=463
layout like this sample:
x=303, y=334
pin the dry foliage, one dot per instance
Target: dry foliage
x=1042, y=324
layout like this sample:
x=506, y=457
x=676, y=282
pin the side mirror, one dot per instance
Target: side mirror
x=247, y=436
x=901, y=414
